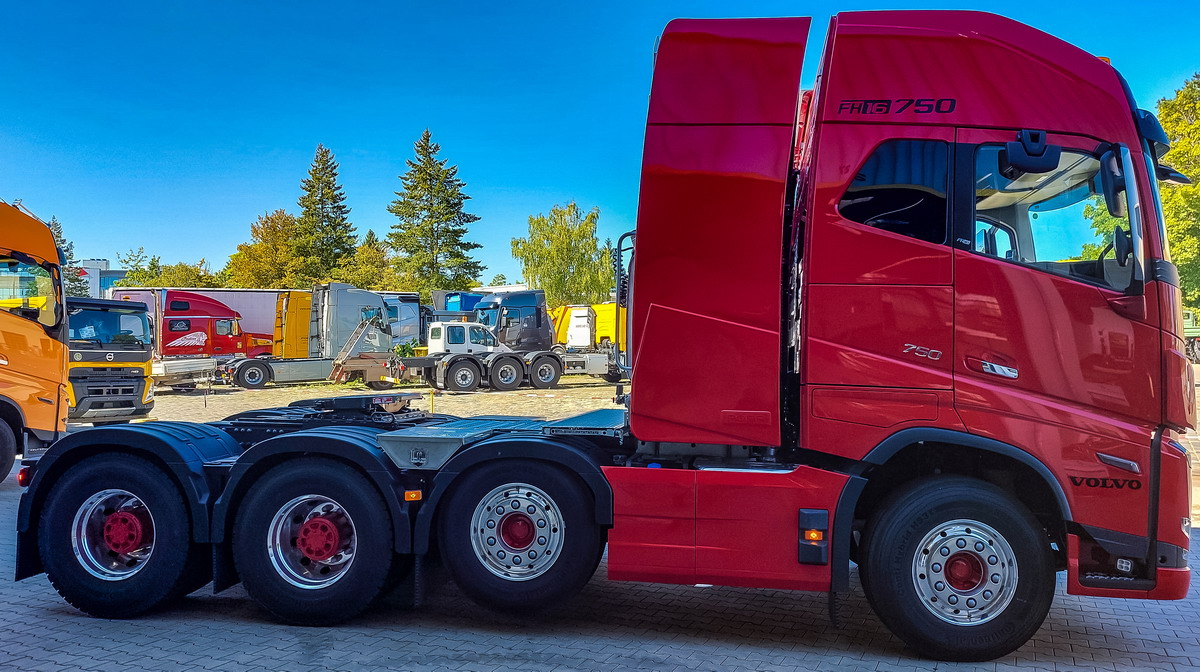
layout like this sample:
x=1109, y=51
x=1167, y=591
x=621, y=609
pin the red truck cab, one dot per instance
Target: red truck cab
x=195, y=325
x=947, y=259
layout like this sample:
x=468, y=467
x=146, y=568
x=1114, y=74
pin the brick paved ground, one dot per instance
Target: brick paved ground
x=610, y=626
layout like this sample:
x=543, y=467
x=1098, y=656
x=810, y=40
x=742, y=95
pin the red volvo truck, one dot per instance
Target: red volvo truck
x=953, y=357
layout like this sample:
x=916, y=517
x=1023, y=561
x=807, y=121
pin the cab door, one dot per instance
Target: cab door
x=1055, y=345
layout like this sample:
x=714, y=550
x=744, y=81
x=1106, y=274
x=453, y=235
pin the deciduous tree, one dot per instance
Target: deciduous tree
x=562, y=256
x=370, y=267
x=1180, y=117
x=431, y=226
x=270, y=260
x=149, y=271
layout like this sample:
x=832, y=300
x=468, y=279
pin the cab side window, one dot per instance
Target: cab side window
x=223, y=327
x=456, y=335
x=478, y=336
x=901, y=188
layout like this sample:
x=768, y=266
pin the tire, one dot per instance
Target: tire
x=612, y=377
x=427, y=374
x=544, y=373
x=155, y=564
x=462, y=376
x=380, y=385
x=473, y=527
x=1009, y=583
x=8, y=449
x=252, y=375
x=318, y=583
x=506, y=374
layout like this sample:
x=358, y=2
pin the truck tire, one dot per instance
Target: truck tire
x=544, y=373
x=380, y=385
x=462, y=376
x=612, y=377
x=312, y=542
x=252, y=375
x=8, y=449
x=115, y=538
x=526, y=557
x=506, y=374
x=957, y=568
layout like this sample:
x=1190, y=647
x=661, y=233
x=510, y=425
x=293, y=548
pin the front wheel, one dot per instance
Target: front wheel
x=252, y=375
x=958, y=569
x=115, y=538
x=520, y=536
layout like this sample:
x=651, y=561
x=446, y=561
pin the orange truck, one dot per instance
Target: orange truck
x=33, y=349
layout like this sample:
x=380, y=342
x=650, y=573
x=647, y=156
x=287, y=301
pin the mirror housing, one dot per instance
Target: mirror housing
x=1030, y=153
x=1171, y=176
x=1112, y=182
x=1151, y=129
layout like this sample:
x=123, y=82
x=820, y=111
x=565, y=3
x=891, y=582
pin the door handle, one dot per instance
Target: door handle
x=992, y=368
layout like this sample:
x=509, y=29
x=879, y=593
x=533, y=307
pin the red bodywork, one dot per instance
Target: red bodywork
x=195, y=325
x=734, y=176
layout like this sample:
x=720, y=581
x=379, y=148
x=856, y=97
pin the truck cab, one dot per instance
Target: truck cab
x=111, y=349
x=33, y=349
x=517, y=319
x=463, y=337
x=194, y=324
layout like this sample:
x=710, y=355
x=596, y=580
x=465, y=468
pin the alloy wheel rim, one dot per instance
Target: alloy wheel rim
x=517, y=531
x=311, y=542
x=112, y=534
x=965, y=572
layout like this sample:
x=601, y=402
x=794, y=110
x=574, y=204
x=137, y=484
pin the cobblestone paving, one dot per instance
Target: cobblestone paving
x=610, y=626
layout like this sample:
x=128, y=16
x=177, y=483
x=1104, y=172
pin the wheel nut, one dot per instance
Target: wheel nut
x=987, y=594
x=939, y=586
x=937, y=567
x=945, y=551
x=491, y=524
x=542, y=541
x=953, y=599
x=971, y=603
x=491, y=541
x=995, y=578
x=979, y=545
x=993, y=559
x=516, y=559
x=541, y=523
x=532, y=555
x=500, y=554
x=962, y=543
x=530, y=509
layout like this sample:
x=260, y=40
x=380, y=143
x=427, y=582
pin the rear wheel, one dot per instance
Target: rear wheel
x=252, y=375
x=520, y=535
x=545, y=373
x=506, y=375
x=958, y=569
x=462, y=376
x=312, y=542
x=115, y=538
x=380, y=385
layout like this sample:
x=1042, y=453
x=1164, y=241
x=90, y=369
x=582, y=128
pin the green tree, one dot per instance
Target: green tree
x=370, y=267
x=270, y=260
x=498, y=279
x=432, y=223
x=562, y=256
x=74, y=284
x=149, y=271
x=324, y=235
x=1180, y=117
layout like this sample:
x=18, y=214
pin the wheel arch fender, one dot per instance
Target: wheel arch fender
x=13, y=415
x=179, y=448
x=573, y=456
x=357, y=447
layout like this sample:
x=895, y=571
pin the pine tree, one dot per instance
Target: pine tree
x=432, y=224
x=325, y=236
x=74, y=284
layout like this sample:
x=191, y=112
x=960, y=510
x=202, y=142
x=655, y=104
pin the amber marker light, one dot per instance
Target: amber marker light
x=814, y=535
x=412, y=495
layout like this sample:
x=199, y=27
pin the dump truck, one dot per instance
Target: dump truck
x=109, y=376
x=946, y=375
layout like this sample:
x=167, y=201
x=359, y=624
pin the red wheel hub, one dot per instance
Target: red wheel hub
x=123, y=532
x=964, y=571
x=319, y=539
x=517, y=531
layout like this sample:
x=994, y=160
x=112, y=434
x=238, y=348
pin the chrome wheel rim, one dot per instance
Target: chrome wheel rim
x=464, y=376
x=112, y=535
x=506, y=374
x=517, y=532
x=253, y=375
x=545, y=372
x=311, y=542
x=965, y=572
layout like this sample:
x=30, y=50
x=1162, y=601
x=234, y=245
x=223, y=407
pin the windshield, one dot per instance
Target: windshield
x=486, y=316
x=92, y=328
x=28, y=290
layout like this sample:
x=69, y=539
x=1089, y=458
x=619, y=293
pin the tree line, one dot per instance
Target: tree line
x=426, y=248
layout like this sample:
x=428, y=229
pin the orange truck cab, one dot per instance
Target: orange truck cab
x=33, y=354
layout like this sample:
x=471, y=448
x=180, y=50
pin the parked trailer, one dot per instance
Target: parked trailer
x=927, y=398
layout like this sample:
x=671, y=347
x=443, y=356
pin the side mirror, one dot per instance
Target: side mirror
x=1112, y=182
x=1122, y=245
x=1031, y=153
x=1171, y=176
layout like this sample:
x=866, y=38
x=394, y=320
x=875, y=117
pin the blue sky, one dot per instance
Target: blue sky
x=172, y=125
